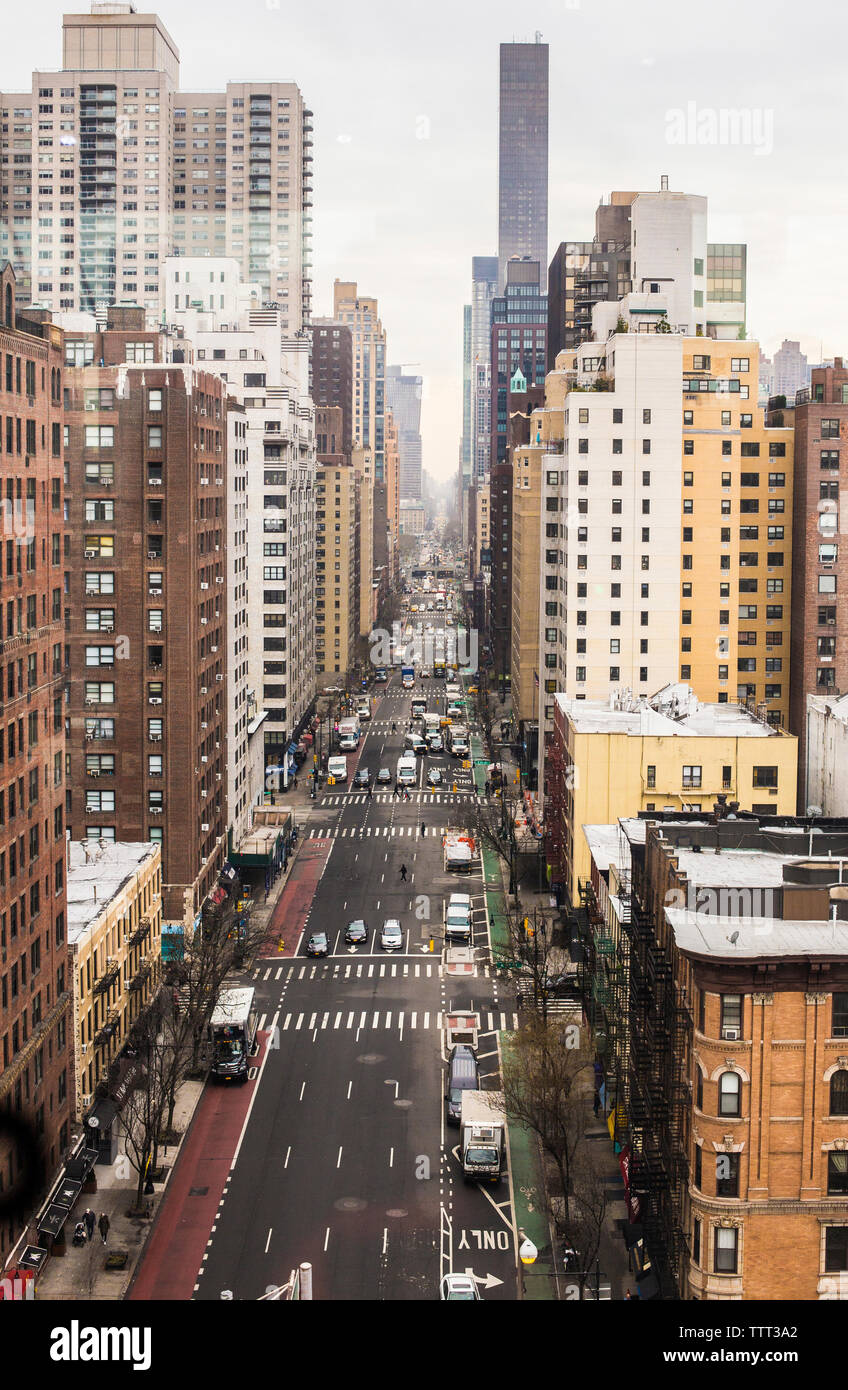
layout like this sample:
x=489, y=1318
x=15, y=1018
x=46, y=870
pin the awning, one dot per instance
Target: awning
x=78, y=1168
x=292, y=747
x=633, y=1233
x=52, y=1220
x=67, y=1192
x=101, y=1115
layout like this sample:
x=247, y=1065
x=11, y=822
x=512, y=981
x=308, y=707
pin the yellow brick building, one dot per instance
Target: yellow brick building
x=670, y=754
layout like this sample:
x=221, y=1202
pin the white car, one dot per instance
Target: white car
x=391, y=937
x=458, y=1288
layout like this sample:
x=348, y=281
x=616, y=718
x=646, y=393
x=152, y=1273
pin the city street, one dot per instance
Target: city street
x=345, y=1159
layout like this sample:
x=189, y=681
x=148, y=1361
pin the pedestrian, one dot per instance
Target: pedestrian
x=295, y=781
x=369, y=789
x=423, y=828
x=628, y=1294
x=90, y=1221
x=596, y=1104
x=403, y=873
x=103, y=1226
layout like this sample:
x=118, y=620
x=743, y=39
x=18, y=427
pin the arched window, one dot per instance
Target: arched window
x=729, y=1093
x=839, y=1093
x=8, y=304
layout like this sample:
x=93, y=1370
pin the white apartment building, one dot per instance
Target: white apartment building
x=245, y=753
x=107, y=167
x=610, y=610
x=267, y=373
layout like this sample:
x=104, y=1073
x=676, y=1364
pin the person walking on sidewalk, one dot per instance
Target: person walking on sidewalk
x=403, y=873
x=369, y=790
x=295, y=781
x=596, y=1104
x=90, y=1222
x=103, y=1226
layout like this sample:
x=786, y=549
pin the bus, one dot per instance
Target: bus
x=232, y=1034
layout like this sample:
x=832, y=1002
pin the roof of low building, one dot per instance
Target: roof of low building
x=705, y=934
x=674, y=711
x=97, y=873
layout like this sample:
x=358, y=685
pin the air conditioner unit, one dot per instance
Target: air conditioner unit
x=217, y=744
x=154, y=810
x=203, y=792
x=204, y=758
x=204, y=690
x=155, y=738
x=203, y=724
x=203, y=622
x=154, y=700
x=204, y=585
x=91, y=555
x=730, y=1034
x=219, y=579
x=91, y=700
x=219, y=678
x=154, y=591
x=213, y=649
x=204, y=826
x=153, y=555
x=154, y=482
x=107, y=627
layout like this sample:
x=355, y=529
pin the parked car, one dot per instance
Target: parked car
x=318, y=945
x=459, y=1288
x=384, y=777
x=391, y=937
x=434, y=777
x=356, y=933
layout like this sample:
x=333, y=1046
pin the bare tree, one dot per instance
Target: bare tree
x=543, y=1072
x=579, y=1221
x=142, y=1109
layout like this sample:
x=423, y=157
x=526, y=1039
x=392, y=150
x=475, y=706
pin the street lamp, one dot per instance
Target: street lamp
x=527, y=1255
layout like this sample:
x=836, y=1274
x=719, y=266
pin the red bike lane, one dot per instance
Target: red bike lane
x=292, y=909
x=173, y=1255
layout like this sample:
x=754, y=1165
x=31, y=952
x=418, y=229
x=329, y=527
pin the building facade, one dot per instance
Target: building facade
x=147, y=602
x=115, y=168
x=338, y=519
x=403, y=398
x=36, y=1076
x=332, y=373
x=819, y=603
x=115, y=941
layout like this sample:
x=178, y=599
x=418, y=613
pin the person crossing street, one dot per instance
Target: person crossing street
x=403, y=873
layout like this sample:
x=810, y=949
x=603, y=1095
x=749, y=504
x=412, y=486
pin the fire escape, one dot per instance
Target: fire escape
x=658, y=1097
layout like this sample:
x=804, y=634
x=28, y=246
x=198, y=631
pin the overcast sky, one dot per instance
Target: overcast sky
x=405, y=100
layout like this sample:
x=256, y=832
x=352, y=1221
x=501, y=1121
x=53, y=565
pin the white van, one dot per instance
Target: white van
x=414, y=743
x=407, y=770
x=337, y=769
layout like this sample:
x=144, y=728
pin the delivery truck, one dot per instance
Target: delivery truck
x=407, y=674
x=482, y=1136
x=458, y=853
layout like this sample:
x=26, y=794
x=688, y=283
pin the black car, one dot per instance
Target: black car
x=318, y=945
x=384, y=777
x=356, y=933
x=362, y=777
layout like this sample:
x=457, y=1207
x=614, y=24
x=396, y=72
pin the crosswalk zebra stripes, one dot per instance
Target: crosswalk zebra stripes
x=358, y=832
x=384, y=798
x=359, y=1019
x=362, y=969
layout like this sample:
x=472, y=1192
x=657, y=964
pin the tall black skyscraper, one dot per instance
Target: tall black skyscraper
x=523, y=155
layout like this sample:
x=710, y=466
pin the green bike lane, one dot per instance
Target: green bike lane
x=539, y=1280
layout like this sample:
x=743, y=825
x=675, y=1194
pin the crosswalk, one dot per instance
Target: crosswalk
x=382, y=798
x=360, y=832
x=415, y=1020
x=341, y=969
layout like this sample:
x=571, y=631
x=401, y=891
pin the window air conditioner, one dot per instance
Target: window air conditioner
x=730, y=1034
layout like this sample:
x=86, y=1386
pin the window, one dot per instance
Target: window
x=839, y=1093
x=154, y=400
x=835, y=1249
x=727, y=1175
x=725, y=1249
x=646, y=417
x=99, y=436
x=691, y=775
x=646, y=446
x=839, y=1022
x=154, y=436
x=651, y=777
x=830, y=429
x=837, y=1175
x=729, y=1093
x=765, y=776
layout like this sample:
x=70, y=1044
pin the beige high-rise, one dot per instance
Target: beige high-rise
x=108, y=167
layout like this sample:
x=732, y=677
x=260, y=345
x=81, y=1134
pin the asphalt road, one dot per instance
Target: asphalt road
x=345, y=1160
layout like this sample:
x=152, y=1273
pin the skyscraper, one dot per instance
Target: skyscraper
x=403, y=398
x=523, y=154
x=484, y=287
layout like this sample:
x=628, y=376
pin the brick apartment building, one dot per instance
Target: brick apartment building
x=819, y=621
x=146, y=460
x=332, y=373
x=719, y=967
x=37, y=1074
x=337, y=555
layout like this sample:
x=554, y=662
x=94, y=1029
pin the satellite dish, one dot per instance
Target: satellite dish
x=814, y=810
x=733, y=938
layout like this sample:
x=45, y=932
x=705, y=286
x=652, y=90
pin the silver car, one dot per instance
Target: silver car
x=391, y=937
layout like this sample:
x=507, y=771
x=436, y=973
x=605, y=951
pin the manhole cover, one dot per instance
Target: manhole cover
x=198, y=1191
x=370, y=1058
x=350, y=1204
x=403, y=1104
x=397, y=1211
